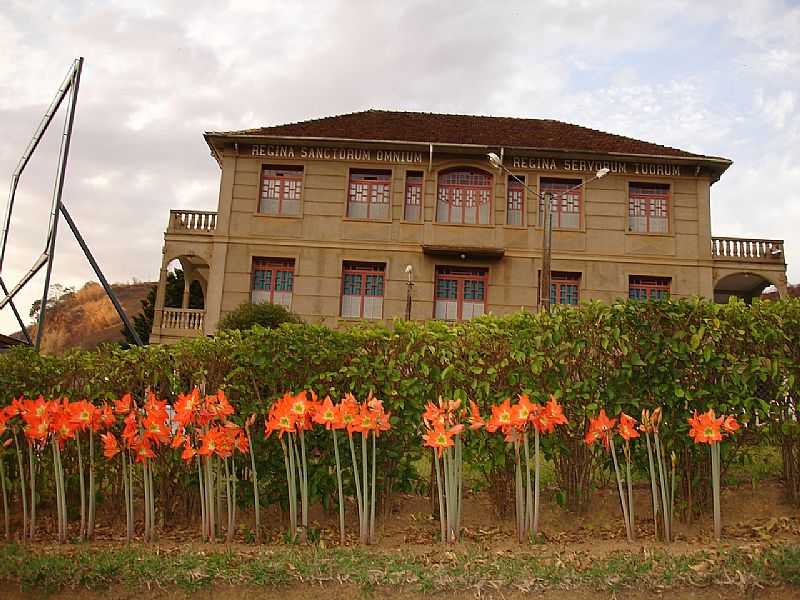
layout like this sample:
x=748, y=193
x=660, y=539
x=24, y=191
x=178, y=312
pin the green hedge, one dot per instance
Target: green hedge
x=682, y=355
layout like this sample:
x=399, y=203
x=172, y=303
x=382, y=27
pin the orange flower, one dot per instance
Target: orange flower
x=110, y=446
x=209, y=441
x=363, y=423
x=501, y=417
x=82, y=414
x=546, y=418
x=123, y=405
x=705, y=428
x=600, y=428
x=188, y=452
x=439, y=438
x=475, y=419
x=142, y=449
x=522, y=410
x=729, y=424
x=433, y=415
x=329, y=415
x=627, y=427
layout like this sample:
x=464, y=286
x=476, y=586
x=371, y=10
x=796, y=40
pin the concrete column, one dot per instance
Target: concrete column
x=161, y=292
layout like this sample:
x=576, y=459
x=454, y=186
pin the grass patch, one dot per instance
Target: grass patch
x=48, y=570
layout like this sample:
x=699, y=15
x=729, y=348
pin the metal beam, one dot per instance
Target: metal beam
x=40, y=262
x=22, y=326
x=55, y=211
x=100, y=276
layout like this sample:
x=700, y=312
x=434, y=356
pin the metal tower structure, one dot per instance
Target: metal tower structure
x=67, y=91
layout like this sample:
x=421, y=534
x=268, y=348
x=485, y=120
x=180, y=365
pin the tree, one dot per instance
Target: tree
x=267, y=315
x=143, y=322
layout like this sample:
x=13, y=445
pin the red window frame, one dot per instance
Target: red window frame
x=413, y=194
x=454, y=187
x=561, y=279
x=641, y=287
x=287, y=179
x=515, y=199
x=364, y=269
x=573, y=204
x=275, y=266
x=377, y=184
x=648, y=195
x=460, y=275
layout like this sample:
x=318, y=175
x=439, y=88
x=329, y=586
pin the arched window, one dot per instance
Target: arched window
x=464, y=195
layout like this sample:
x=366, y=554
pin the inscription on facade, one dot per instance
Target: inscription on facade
x=592, y=166
x=324, y=153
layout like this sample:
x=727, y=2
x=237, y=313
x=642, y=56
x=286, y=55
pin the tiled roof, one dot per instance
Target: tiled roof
x=508, y=132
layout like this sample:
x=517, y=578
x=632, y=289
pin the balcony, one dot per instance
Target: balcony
x=192, y=221
x=747, y=250
x=183, y=319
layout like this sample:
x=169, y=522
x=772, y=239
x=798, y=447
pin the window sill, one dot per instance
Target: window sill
x=476, y=225
x=269, y=216
x=357, y=220
x=667, y=234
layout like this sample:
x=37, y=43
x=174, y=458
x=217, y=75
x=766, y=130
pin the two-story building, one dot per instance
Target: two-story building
x=326, y=216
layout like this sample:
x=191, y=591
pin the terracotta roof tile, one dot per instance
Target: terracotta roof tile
x=507, y=132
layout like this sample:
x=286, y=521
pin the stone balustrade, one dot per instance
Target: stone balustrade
x=183, y=318
x=194, y=221
x=747, y=250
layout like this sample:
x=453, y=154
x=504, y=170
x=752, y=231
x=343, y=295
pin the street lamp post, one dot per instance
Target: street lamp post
x=409, y=287
x=547, y=237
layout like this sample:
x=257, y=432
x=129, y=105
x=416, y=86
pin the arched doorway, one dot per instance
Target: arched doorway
x=744, y=285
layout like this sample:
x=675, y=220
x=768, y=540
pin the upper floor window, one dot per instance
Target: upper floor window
x=515, y=201
x=281, y=189
x=272, y=281
x=412, y=206
x=464, y=196
x=565, y=205
x=648, y=207
x=648, y=288
x=564, y=287
x=363, y=290
x=369, y=195
x=460, y=293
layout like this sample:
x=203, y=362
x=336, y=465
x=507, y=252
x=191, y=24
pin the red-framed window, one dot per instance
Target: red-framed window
x=460, y=293
x=565, y=287
x=648, y=288
x=369, y=195
x=464, y=196
x=281, y=190
x=515, y=201
x=648, y=207
x=272, y=281
x=363, y=289
x=412, y=205
x=565, y=203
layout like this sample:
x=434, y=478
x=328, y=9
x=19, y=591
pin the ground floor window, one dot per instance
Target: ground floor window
x=363, y=290
x=564, y=287
x=460, y=293
x=648, y=288
x=272, y=281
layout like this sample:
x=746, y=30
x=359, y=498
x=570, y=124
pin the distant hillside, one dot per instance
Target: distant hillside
x=86, y=318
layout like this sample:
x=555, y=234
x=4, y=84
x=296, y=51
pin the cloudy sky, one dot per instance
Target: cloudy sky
x=720, y=78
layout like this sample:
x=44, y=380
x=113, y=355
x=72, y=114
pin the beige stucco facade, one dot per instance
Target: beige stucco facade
x=217, y=249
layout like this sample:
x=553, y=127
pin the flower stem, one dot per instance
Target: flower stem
x=653, y=485
x=372, y=503
x=621, y=493
x=667, y=514
x=629, y=481
x=364, y=489
x=339, y=487
x=82, y=531
x=32, y=477
x=715, y=476
x=536, y=480
x=304, y=488
x=520, y=503
x=254, y=477
x=440, y=493
x=92, y=493
x=528, y=490
x=288, y=458
x=22, y=492
x=356, y=479
x=6, y=521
